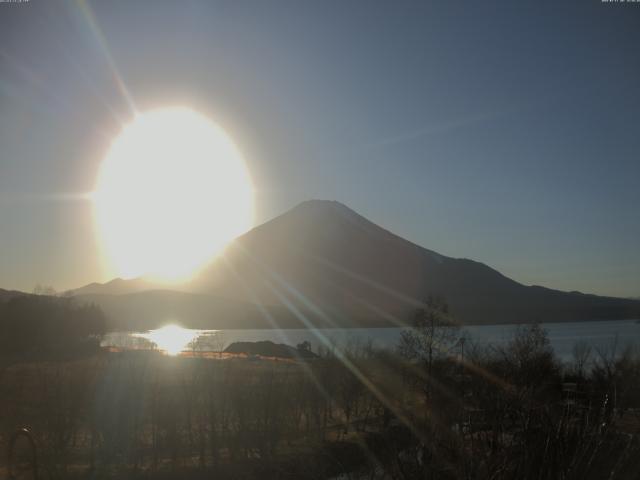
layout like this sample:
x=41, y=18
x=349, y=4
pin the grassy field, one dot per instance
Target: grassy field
x=508, y=413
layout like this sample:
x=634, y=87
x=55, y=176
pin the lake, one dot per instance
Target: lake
x=562, y=336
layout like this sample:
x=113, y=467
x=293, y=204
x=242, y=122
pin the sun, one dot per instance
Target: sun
x=171, y=193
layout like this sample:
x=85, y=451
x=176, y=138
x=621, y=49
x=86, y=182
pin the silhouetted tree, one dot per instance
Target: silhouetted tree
x=34, y=322
x=431, y=337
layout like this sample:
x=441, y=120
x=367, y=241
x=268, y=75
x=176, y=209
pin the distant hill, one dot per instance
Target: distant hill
x=8, y=294
x=117, y=286
x=152, y=309
x=322, y=264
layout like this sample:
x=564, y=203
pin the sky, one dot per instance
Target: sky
x=506, y=132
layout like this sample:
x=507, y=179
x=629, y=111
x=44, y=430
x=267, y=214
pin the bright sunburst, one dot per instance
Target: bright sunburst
x=172, y=191
x=171, y=339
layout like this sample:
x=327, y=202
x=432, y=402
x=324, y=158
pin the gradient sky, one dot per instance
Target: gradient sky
x=507, y=132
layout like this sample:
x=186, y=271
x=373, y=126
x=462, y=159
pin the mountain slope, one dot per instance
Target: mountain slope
x=6, y=295
x=323, y=264
x=154, y=308
x=334, y=267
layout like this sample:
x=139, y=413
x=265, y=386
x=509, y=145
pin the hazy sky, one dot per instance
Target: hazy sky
x=507, y=132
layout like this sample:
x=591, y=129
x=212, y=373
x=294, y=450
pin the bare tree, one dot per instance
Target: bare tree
x=433, y=333
x=219, y=342
x=581, y=357
x=431, y=337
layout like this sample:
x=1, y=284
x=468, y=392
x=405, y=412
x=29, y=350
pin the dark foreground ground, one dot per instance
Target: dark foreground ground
x=415, y=413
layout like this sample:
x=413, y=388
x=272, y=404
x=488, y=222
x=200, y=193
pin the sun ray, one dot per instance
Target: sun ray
x=86, y=10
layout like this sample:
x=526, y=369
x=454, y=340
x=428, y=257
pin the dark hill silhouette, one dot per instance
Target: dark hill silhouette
x=117, y=286
x=154, y=308
x=6, y=295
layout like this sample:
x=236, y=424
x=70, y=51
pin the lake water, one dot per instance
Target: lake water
x=562, y=336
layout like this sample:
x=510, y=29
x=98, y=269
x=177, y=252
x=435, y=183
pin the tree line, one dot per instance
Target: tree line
x=44, y=323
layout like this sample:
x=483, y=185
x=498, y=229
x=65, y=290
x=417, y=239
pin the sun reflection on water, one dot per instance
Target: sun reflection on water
x=171, y=339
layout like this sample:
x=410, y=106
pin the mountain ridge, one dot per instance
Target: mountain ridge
x=323, y=264
x=325, y=257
